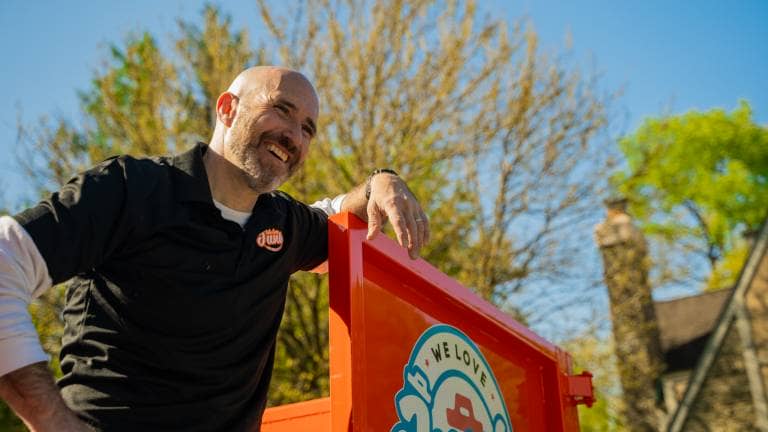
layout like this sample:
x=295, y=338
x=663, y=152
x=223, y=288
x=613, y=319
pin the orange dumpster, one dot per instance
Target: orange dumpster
x=412, y=350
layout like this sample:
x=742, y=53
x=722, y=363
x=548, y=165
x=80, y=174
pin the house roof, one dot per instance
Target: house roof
x=684, y=319
x=685, y=324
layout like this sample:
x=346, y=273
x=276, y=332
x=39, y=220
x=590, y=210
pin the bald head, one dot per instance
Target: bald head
x=260, y=81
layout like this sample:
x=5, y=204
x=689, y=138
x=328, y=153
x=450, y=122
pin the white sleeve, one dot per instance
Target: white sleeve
x=330, y=206
x=23, y=276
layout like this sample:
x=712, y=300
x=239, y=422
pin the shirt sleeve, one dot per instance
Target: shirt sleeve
x=23, y=276
x=78, y=227
x=71, y=232
x=330, y=206
x=311, y=229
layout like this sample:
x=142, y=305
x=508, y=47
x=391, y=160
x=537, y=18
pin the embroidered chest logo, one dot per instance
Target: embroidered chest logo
x=449, y=386
x=270, y=239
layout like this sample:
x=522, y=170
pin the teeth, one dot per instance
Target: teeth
x=277, y=152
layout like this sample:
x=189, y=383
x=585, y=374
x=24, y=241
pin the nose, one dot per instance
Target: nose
x=296, y=132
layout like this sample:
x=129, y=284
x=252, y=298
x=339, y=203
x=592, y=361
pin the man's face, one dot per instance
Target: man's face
x=270, y=135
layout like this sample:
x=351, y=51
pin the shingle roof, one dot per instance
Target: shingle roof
x=685, y=324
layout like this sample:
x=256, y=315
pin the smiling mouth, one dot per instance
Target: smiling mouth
x=280, y=154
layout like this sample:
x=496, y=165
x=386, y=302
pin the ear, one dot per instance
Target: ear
x=226, y=108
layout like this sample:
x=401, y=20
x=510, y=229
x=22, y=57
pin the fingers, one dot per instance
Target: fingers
x=375, y=221
x=391, y=199
x=421, y=232
x=423, y=229
x=414, y=238
x=400, y=225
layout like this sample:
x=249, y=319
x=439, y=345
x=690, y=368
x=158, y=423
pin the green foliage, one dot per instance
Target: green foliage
x=46, y=314
x=596, y=354
x=211, y=56
x=301, y=361
x=131, y=105
x=141, y=103
x=697, y=181
x=8, y=420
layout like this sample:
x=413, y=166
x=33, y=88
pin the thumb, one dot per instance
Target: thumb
x=374, y=221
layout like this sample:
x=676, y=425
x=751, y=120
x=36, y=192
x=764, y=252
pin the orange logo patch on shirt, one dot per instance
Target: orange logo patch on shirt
x=270, y=239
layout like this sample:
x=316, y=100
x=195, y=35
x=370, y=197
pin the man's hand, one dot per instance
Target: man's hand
x=391, y=199
x=32, y=394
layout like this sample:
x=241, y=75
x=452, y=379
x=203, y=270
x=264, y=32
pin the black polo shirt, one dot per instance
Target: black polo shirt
x=171, y=320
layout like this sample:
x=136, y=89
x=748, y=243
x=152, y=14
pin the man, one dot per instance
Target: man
x=180, y=267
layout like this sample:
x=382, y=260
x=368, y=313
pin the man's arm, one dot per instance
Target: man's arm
x=32, y=394
x=73, y=230
x=390, y=199
x=26, y=384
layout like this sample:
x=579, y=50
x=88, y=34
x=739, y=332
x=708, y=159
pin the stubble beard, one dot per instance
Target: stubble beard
x=260, y=176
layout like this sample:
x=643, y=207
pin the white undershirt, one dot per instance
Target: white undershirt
x=233, y=215
x=24, y=277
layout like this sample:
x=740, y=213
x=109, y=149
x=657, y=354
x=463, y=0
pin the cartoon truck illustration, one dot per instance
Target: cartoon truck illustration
x=462, y=415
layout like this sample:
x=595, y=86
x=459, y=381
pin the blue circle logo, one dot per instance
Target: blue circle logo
x=448, y=386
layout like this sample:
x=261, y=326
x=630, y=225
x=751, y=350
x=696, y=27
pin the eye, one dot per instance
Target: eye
x=308, y=131
x=282, y=108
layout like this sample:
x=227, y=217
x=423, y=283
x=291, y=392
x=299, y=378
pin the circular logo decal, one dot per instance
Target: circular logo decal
x=449, y=387
x=270, y=239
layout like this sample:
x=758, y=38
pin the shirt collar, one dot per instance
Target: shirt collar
x=190, y=178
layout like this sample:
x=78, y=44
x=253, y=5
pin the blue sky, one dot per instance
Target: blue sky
x=667, y=56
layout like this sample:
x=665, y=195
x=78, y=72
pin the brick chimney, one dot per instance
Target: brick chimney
x=635, y=328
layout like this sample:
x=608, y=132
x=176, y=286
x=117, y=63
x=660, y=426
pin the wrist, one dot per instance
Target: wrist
x=372, y=175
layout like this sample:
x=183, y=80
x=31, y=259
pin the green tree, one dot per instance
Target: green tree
x=697, y=182
x=488, y=131
x=595, y=353
x=8, y=420
x=496, y=138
